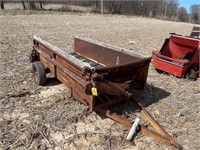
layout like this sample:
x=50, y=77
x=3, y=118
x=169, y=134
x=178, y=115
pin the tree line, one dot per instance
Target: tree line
x=163, y=9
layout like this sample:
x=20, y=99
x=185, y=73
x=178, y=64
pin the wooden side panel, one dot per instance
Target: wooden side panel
x=47, y=64
x=68, y=65
x=45, y=50
x=77, y=89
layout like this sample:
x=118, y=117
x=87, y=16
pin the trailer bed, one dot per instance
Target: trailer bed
x=99, y=75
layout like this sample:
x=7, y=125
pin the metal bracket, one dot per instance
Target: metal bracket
x=161, y=134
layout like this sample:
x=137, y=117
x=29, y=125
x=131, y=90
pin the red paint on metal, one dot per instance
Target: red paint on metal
x=177, y=55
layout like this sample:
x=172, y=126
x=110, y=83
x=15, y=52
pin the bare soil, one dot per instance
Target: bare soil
x=45, y=117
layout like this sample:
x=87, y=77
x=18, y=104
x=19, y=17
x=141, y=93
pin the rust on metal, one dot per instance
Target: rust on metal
x=100, y=75
x=161, y=136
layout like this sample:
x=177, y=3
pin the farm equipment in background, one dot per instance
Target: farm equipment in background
x=99, y=76
x=195, y=33
x=179, y=56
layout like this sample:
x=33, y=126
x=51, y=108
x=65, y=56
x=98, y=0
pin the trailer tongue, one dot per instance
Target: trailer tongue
x=99, y=76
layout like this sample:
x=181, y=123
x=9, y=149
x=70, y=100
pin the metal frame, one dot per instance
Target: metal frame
x=159, y=134
x=110, y=70
x=178, y=55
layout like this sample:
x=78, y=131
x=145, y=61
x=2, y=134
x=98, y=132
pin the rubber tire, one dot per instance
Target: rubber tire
x=191, y=75
x=39, y=73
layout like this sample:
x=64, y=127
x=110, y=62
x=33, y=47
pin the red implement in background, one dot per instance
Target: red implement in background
x=195, y=33
x=179, y=56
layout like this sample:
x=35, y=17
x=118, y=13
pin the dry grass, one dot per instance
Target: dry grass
x=39, y=117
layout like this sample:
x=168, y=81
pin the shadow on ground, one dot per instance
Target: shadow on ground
x=52, y=81
x=151, y=95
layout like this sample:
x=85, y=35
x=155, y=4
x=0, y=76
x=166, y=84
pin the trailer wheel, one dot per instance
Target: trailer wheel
x=191, y=75
x=39, y=73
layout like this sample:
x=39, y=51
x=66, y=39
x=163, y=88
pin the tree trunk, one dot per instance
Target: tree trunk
x=2, y=4
x=23, y=4
x=41, y=7
x=32, y=5
x=96, y=6
x=102, y=7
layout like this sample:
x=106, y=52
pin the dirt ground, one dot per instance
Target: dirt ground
x=45, y=117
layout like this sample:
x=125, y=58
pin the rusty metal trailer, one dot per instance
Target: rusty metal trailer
x=99, y=76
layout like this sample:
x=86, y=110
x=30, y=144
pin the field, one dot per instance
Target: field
x=45, y=117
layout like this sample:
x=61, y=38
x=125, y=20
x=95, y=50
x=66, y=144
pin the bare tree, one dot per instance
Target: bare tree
x=195, y=13
x=32, y=5
x=41, y=6
x=115, y=7
x=158, y=9
x=109, y=5
x=182, y=14
x=2, y=4
x=23, y=4
x=172, y=8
